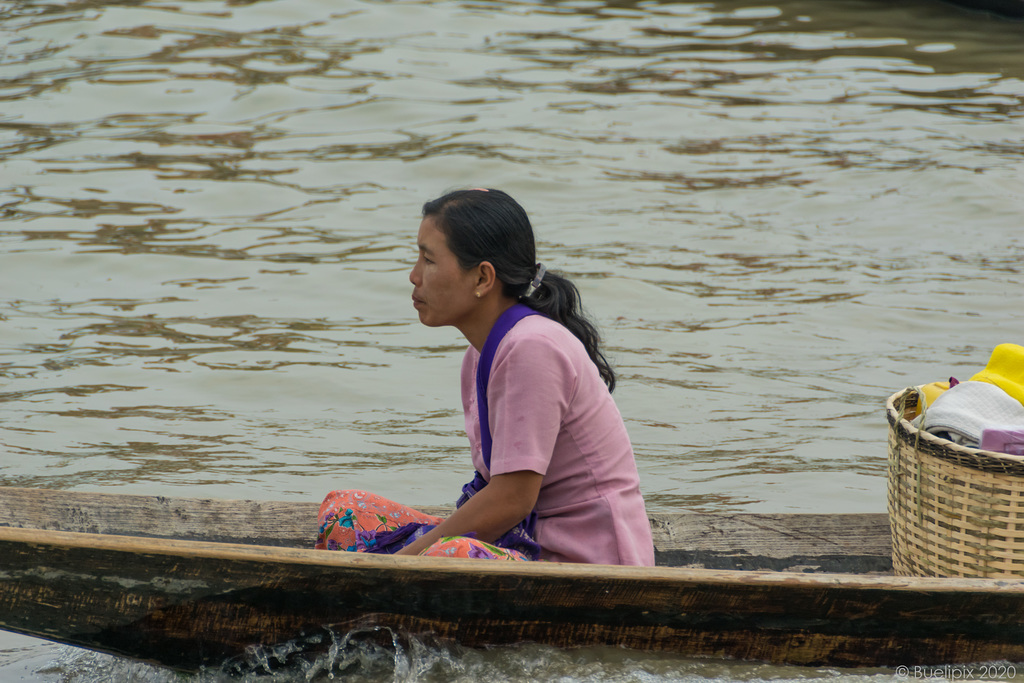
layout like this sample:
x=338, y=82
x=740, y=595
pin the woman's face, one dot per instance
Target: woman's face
x=443, y=293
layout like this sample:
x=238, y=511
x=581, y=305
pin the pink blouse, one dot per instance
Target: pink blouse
x=550, y=413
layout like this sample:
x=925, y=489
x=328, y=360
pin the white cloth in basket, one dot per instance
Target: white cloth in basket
x=964, y=411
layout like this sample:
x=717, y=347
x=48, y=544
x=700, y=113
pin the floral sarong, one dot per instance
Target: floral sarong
x=358, y=521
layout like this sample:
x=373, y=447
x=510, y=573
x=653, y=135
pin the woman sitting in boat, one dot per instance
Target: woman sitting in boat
x=555, y=474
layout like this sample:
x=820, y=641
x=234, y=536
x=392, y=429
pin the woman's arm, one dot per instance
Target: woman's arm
x=495, y=509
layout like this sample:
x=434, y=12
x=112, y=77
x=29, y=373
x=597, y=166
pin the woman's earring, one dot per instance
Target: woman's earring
x=478, y=295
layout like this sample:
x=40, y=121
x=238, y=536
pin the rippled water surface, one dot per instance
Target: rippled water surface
x=779, y=213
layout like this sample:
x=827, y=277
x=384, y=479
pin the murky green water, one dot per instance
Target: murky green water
x=779, y=213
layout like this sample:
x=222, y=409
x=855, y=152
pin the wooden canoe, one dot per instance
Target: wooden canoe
x=192, y=583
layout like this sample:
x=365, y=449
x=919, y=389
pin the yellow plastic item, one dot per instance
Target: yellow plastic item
x=932, y=391
x=1005, y=369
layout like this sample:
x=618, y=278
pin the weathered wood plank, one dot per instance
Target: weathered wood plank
x=797, y=542
x=858, y=543
x=275, y=523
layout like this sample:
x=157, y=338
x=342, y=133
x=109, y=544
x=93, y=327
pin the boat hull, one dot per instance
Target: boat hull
x=192, y=604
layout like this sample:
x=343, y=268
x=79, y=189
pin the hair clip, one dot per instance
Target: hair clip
x=541, y=271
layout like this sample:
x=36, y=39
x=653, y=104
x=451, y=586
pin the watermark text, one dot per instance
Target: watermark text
x=958, y=672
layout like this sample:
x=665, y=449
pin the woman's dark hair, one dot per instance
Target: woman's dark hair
x=488, y=225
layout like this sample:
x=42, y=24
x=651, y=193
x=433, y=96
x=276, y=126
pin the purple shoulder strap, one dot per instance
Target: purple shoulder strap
x=505, y=323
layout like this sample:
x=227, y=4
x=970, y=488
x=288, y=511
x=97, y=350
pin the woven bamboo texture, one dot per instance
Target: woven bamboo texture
x=954, y=511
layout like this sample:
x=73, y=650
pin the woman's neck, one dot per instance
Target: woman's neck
x=479, y=326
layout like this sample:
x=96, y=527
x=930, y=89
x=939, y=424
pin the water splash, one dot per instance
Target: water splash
x=382, y=655
x=372, y=654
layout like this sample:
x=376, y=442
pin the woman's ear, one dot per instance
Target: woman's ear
x=486, y=278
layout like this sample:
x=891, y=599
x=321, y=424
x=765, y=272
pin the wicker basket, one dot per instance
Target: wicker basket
x=954, y=511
